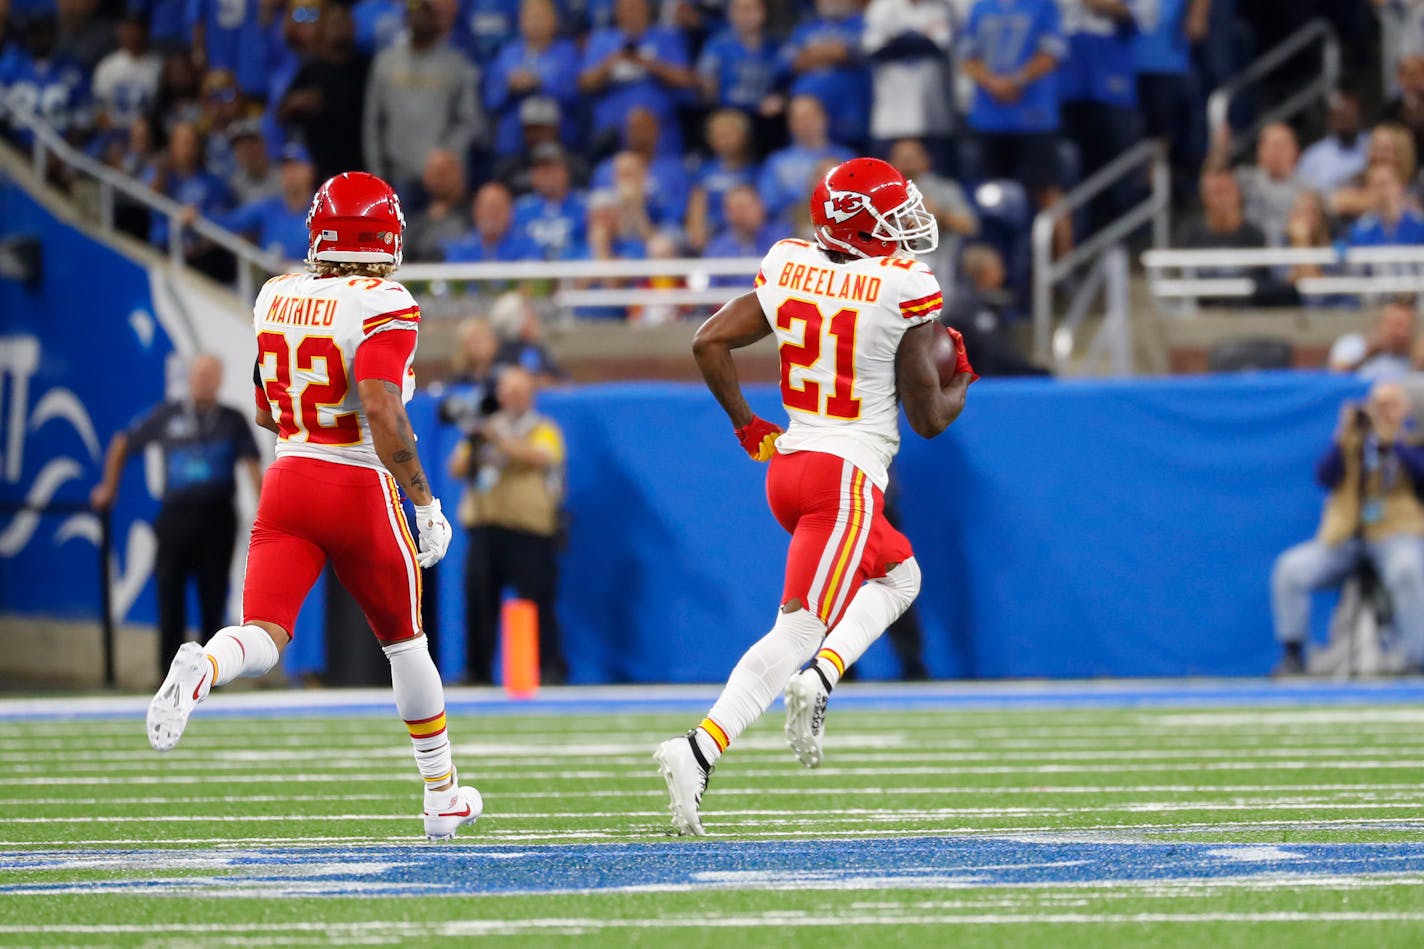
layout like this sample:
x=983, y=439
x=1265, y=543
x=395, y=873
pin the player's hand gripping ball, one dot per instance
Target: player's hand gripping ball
x=950, y=357
x=759, y=437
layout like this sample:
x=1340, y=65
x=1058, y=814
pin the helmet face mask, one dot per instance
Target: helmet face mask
x=355, y=218
x=865, y=208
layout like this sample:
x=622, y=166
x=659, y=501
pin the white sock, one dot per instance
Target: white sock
x=420, y=699
x=758, y=678
x=240, y=651
x=876, y=605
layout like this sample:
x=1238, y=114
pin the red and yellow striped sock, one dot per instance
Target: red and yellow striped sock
x=717, y=738
x=831, y=664
x=432, y=749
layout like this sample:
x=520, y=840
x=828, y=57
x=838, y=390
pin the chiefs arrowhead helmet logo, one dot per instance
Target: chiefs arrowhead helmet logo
x=841, y=206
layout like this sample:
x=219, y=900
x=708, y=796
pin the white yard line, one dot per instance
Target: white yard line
x=344, y=932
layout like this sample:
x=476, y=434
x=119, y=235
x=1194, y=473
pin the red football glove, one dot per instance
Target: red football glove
x=961, y=362
x=759, y=437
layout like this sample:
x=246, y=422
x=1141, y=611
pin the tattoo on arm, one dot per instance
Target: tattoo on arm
x=403, y=456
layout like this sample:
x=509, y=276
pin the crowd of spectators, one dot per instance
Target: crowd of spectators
x=591, y=129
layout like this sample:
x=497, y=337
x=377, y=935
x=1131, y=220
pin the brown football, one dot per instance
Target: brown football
x=946, y=356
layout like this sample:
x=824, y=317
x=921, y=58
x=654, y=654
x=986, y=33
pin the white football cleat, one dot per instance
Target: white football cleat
x=805, y=715
x=686, y=776
x=448, y=810
x=190, y=677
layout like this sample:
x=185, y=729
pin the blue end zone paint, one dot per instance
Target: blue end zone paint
x=624, y=700
x=905, y=863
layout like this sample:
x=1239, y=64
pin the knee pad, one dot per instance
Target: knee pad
x=903, y=581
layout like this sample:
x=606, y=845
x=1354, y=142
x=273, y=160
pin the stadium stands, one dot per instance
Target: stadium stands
x=207, y=107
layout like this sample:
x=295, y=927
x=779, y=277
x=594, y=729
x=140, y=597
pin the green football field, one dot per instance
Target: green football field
x=1295, y=820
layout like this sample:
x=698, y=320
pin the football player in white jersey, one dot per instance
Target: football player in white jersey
x=854, y=317
x=334, y=351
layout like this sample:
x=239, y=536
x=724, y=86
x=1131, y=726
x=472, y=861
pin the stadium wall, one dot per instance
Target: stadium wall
x=1064, y=529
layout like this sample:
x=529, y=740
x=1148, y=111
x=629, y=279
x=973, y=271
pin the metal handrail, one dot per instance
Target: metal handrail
x=1282, y=256
x=1155, y=209
x=1218, y=106
x=47, y=141
x=1406, y=273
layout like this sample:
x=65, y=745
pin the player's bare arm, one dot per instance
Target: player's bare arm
x=117, y=455
x=738, y=324
x=930, y=408
x=393, y=438
x=265, y=419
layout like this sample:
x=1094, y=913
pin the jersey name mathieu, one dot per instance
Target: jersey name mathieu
x=308, y=331
x=838, y=326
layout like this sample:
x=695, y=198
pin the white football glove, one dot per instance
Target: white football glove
x=435, y=533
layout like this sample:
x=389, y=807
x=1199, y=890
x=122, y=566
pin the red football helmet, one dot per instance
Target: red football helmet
x=355, y=218
x=865, y=208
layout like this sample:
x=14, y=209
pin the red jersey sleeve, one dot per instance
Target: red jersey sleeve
x=386, y=356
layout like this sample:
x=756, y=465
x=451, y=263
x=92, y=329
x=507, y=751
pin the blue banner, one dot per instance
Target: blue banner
x=1064, y=529
x=82, y=354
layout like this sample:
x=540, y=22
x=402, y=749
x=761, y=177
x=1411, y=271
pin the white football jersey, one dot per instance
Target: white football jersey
x=838, y=327
x=308, y=330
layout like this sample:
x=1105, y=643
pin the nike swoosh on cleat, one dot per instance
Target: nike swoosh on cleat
x=464, y=813
x=199, y=687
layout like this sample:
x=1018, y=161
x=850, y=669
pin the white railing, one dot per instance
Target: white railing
x=1319, y=89
x=1365, y=271
x=252, y=260
x=1146, y=159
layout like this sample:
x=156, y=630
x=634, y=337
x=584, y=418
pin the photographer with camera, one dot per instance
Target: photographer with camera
x=512, y=460
x=1374, y=515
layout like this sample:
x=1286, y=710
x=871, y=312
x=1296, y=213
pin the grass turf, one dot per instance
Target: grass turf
x=1044, y=827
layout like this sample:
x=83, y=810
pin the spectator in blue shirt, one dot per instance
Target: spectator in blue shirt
x=666, y=175
x=484, y=27
x=279, y=223
x=618, y=229
x=822, y=59
x=538, y=63
x=540, y=123
x=552, y=215
x=168, y=30
x=747, y=233
x=34, y=79
x=1012, y=50
x=235, y=35
x=1342, y=154
x=738, y=65
x=636, y=64
x=1097, y=87
x=1167, y=90
x=494, y=239
x=223, y=108
x=180, y=176
x=1391, y=220
x=732, y=162
x=378, y=24
x=786, y=176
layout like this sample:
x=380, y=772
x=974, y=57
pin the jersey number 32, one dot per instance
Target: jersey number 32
x=298, y=402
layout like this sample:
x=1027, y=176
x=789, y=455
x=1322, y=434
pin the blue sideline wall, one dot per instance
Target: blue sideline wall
x=1064, y=529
